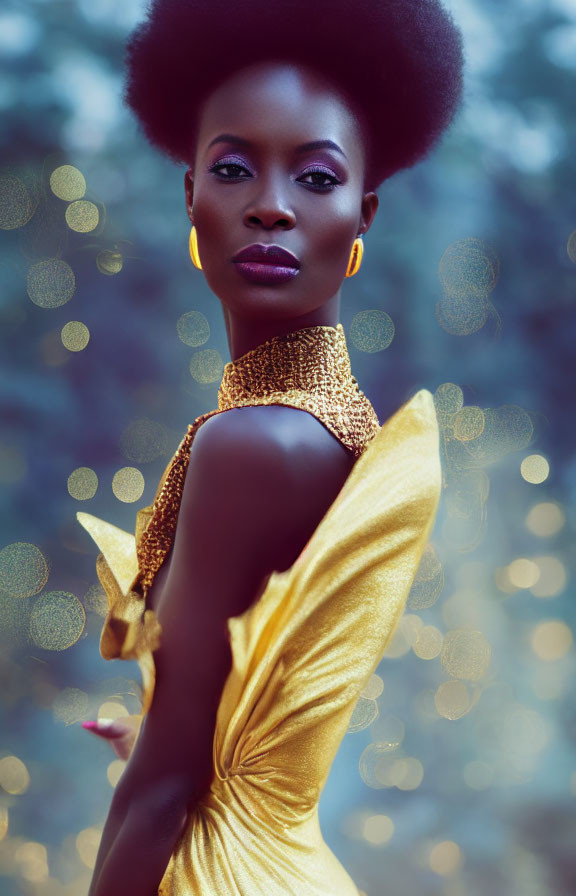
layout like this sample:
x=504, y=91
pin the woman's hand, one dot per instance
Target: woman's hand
x=121, y=733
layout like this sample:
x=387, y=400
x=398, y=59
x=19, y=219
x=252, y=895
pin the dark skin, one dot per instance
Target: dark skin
x=260, y=479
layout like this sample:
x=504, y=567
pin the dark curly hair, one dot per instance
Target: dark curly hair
x=398, y=64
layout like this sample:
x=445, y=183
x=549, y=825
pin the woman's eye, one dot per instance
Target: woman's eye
x=320, y=173
x=221, y=165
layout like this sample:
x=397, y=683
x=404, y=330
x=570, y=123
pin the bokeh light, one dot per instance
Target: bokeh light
x=446, y=857
x=14, y=776
x=551, y=639
x=82, y=216
x=24, y=569
x=371, y=331
x=193, y=328
x=128, y=484
x=545, y=519
x=206, y=366
x=83, y=483
x=16, y=204
x=68, y=183
x=51, y=283
x=87, y=843
x=535, y=469
x=75, y=336
x=57, y=620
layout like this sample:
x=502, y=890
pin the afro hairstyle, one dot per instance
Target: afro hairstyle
x=398, y=64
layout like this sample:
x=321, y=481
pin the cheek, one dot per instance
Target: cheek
x=333, y=237
x=211, y=218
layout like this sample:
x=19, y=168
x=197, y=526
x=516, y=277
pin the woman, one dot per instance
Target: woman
x=269, y=574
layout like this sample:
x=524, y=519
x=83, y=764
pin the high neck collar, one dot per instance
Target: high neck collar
x=306, y=360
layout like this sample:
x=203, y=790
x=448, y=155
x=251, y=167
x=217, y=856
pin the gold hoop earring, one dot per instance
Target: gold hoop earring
x=355, y=257
x=193, y=242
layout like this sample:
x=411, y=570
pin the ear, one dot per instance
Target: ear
x=370, y=203
x=189, y=190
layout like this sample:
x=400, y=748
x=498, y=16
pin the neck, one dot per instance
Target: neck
x=245, y=334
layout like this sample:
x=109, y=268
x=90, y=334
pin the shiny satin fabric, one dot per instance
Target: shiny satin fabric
x=302, y=653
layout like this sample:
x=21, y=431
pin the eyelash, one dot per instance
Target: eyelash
x=325, y=187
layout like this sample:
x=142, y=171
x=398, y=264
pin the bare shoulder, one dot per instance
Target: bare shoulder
x=277, y=467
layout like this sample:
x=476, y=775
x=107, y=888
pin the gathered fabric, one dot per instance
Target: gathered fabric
x=305, y=649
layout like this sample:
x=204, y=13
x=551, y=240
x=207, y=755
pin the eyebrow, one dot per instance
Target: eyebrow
x=304, y=147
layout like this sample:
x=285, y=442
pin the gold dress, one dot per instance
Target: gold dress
x=303, y=652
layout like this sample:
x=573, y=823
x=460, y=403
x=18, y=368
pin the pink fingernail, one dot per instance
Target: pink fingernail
x=90, y=725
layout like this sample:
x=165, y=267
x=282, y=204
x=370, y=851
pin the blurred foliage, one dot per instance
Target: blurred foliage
x=458, y=775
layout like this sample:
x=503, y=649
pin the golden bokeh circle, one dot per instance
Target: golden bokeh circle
x=552, y=579
x=378, y=829
x=374, y=687
x=206, y=366
x=111, y=709
x=551, y=639
x=465, y=654
x=428, y=583
x=448, y=399
x=75, y=336
x=83, y=483
x=87, y=844
x=16, y=205
x=32, y=860
x=50, y=283
x=428, y=645
x=4, y=821
x=468, y=423
x=523, y=572
x=372, y=330
x=468, y=268
x=461, y=316
x=14, y=776
x=375, y=764
x=128, y=484
x=535, y=469
x=193, y=328
x=24, y=569
x=545, y=519
x=57, y=620
x=446, y=857
x=82, y=216
x=452, y=699
x=68, y=183
x=388, y=731
x=115, y=771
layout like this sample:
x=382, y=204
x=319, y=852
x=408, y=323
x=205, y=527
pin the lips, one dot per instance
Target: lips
x=267, y=255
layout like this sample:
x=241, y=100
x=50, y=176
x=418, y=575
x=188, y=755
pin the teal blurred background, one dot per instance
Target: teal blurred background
x=458, y=774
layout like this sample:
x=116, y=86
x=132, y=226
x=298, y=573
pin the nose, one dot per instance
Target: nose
x=269, y=205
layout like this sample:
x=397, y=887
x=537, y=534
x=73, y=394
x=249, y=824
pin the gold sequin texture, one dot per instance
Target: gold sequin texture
x=306, y=650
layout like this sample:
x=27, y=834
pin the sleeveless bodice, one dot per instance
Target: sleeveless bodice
x=305, y=649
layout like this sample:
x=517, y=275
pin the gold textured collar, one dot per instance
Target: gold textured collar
x=307, y=369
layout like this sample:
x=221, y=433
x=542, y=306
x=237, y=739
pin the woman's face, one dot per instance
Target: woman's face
x=255, y=181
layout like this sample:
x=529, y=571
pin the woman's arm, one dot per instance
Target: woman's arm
x=257, y=485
